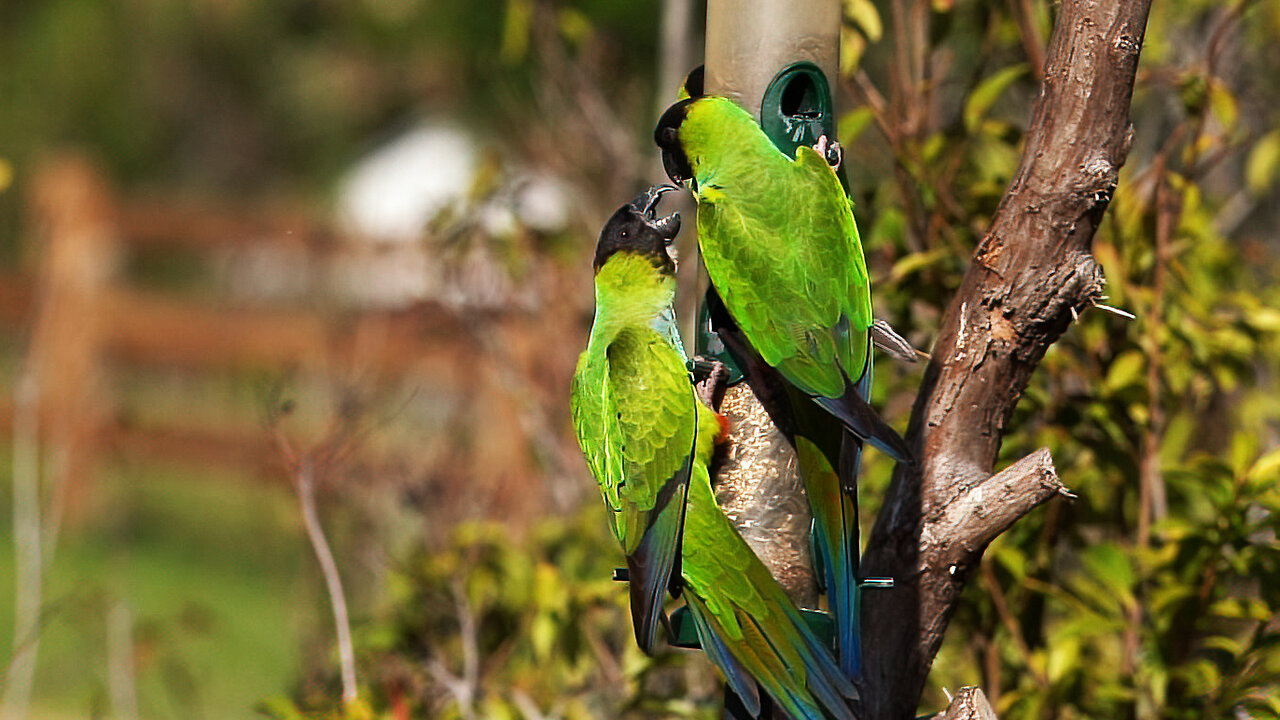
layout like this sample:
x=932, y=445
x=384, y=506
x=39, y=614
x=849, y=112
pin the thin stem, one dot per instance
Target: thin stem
x=1032, y=44
x=28, y=561
x=1010, y=623
x=122, y=675
x=304, y=481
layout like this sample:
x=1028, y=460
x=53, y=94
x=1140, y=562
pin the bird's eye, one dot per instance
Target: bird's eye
x=625, y=234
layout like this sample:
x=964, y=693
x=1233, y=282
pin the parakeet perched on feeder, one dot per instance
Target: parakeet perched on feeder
x=791, y=300
x=648, y=441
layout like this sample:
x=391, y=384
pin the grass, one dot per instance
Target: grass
x=215, y=572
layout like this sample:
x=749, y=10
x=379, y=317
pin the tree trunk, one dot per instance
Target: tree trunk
x=1030, y=277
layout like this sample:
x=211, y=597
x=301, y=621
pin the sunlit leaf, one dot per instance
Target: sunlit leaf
x=1222, y=102
x=864, y=14
x=1110, y=565
x=1126, y=370
x=852, y=45
x=988, y=91
x=516, y=26
x=575, y=25
x=1267, y=468
x=853, y=123
x=1263, y=164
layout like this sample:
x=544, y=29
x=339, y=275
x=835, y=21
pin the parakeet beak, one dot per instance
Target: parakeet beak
x=667, y=136
x=675, y=169
x=646, y=205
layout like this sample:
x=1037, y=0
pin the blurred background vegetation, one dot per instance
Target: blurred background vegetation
x=364, y=227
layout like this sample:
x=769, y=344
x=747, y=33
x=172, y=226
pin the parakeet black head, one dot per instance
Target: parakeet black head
x=667, y=135
x=636, y=227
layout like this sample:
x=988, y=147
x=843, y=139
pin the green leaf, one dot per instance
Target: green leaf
x=917, y=261
x=1266, y=469
x=1012, y=559
x=853, y=123
x=1223, y=105
x=852, y=45
x=1201, y=676
x=1063, y=657
x=1263, y=164
x=549, y=588
x=542, y=635
x=1112, y=567
x=1265, y=319
x=280, y=708
x=988, y=91
x=864, y=14
x=496, y=708
x=574, y=24
x=1125, y=370
x=515, y=31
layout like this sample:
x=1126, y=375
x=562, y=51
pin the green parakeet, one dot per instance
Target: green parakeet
x=782, y=251
x=648, y=441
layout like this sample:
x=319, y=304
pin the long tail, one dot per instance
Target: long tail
x=839, y=545
x=835, y=535
x=653, y=568
x=775, y=657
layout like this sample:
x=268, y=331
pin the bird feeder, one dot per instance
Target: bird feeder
x=773, y=58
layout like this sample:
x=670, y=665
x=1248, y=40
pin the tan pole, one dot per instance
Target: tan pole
x=747, y=43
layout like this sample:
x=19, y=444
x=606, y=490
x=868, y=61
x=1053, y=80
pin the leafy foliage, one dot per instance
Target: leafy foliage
x=1154, y=595
x=495, y=627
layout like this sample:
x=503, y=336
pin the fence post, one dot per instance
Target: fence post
x=55, y=396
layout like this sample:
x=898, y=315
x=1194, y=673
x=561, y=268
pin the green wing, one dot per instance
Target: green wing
x=747, y=624
x=781, y=246
x=634, y=412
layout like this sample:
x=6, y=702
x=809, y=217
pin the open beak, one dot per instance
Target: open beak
x=646, y=204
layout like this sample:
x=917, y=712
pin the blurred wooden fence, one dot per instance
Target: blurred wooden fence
x=87, y=326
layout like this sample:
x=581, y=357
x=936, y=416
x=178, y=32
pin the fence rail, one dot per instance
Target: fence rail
x=86, y=326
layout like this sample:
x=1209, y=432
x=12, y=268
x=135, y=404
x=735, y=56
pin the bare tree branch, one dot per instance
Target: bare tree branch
x=1030, y=276
x=968, y=704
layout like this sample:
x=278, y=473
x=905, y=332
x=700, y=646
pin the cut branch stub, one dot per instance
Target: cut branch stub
x=968, y=704
x=1030, y=276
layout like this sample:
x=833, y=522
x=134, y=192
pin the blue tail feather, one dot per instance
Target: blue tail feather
x=741, y=682
x=846, y=598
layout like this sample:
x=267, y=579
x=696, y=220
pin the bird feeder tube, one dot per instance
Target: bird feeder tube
x=749, y=41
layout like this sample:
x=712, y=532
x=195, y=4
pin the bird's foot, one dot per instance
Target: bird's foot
x=830, y=150
x=711, y=379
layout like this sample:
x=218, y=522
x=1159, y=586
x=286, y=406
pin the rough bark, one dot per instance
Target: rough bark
x=1030, y=277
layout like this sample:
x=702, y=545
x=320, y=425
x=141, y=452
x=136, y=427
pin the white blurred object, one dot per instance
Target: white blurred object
x=391, y=195
x=541, y=202
x=388, y=258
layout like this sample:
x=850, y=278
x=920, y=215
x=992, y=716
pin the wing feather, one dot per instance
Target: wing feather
x=634, y=411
